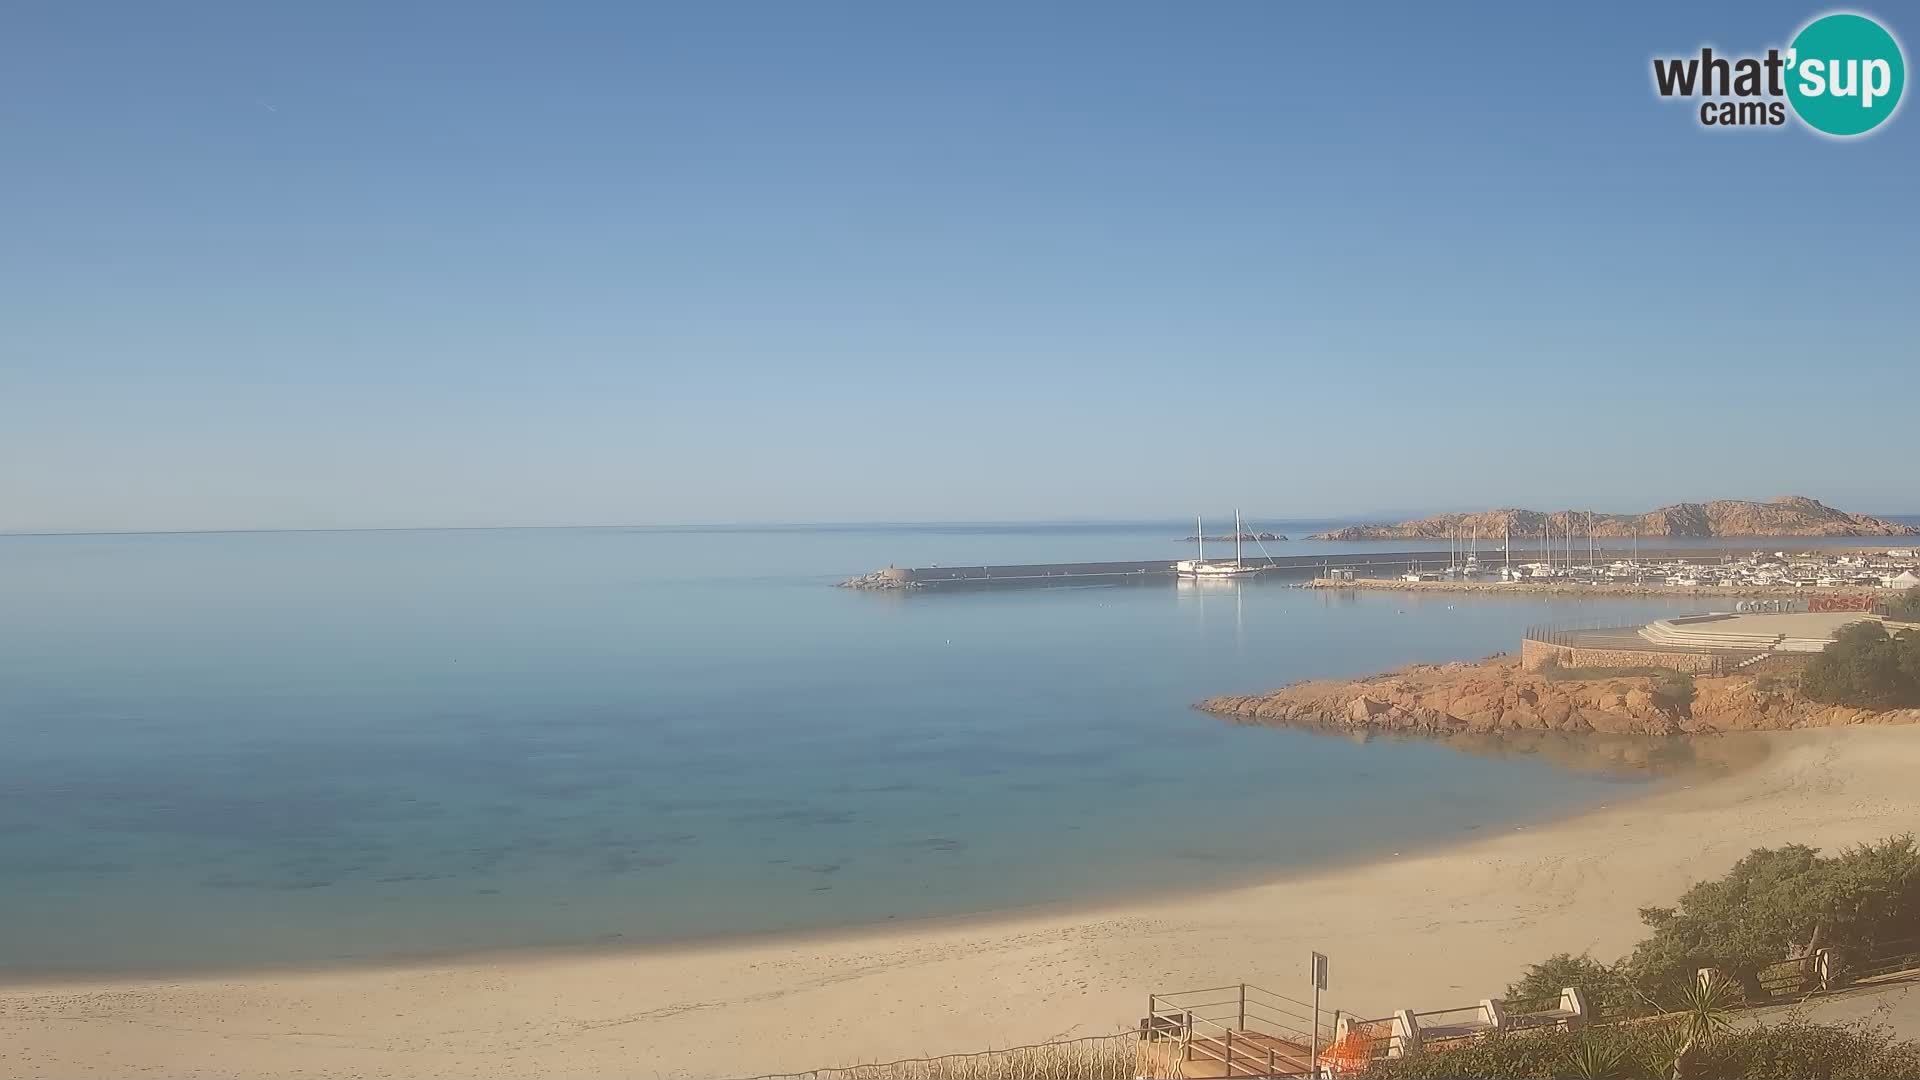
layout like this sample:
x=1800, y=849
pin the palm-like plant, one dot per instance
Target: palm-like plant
x=1597, y=1061
x=1704, y=1005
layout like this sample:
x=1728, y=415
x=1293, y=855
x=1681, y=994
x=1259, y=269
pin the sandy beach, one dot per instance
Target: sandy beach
x=1420, y=929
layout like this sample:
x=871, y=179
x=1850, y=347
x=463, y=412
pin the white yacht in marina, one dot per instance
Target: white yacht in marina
x=1199, y=567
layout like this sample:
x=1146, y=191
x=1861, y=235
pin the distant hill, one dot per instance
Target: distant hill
x=1789, y=515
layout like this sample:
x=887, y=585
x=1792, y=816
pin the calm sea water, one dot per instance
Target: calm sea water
x=243, y=749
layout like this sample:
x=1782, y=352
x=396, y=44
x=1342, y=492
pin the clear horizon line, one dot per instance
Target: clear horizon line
x=661, y=526
x=1354, y=519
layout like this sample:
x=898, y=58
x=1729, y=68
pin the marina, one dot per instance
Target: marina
x=1632, y=569
x=1124, y=572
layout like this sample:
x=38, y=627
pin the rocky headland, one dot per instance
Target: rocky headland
x=890, y=578
x=1494, y=697
x=1788, y=516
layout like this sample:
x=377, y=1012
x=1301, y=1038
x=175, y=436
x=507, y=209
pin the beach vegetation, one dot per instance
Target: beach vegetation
x=1595, y=1059
x=1868, y=668
x=1791, y=1048
x=1106, y=1057
x=1904, y=605
x=1776, y=905
x=1674, y=691
x=1775, y=908
x=1606, y=989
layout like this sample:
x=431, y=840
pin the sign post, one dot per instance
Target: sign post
x=1319, y=984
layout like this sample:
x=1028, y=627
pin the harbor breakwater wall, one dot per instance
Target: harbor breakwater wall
x=1159, y=571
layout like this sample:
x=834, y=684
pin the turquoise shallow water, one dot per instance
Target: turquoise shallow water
x=243, y=749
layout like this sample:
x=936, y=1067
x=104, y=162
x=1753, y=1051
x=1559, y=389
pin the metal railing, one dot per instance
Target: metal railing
x=1885, y=961
x=1249, y=1032
x=1246, y=1031
x=1564, y=632
x=1526, y=1012
x=1365, y=1041
x=1791, y=980
x=1831, y=971
x=1443, y=1028
x=1243, y=1029
x=1461, y=1016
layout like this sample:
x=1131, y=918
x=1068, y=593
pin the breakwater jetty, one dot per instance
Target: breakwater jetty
x=1145, y=571
x=1161, y=571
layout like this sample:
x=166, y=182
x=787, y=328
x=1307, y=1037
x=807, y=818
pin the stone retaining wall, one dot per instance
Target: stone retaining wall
x=1535, y=655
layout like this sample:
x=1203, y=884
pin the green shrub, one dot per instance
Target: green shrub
x=1904, y=606
x=1798, y=1050
x=1777, y=903
x=1674, y=690
x=1606, y=990
x=1792, y=1049
x=1774, y=905
x=1504, y=1056
x=1110, y=1057
x=1868, y=668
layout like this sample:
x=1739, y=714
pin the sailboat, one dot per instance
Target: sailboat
x=1199, y=567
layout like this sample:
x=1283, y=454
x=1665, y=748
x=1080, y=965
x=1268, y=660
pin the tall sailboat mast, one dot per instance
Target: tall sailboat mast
x=1200, y=537
x=1237, y=530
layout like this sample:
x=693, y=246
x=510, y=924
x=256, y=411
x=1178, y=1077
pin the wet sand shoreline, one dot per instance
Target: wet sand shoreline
x=1420, y=928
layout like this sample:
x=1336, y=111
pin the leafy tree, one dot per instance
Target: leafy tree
x=1775, y=905
x=1778, y=904
x=1866, y=667
x=1905, y=606
x=1604, y=987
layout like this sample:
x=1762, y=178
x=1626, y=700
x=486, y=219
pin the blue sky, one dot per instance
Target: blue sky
x=334, y=265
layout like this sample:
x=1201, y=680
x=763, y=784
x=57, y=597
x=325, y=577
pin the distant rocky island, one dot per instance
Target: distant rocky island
x=1249, y=537
x=1790, y=515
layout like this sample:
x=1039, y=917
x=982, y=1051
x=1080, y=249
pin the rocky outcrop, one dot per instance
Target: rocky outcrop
x=890, y=578
x=1495, y=697
x=1790, y=515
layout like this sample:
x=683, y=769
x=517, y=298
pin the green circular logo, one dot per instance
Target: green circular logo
x=1845, y=74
